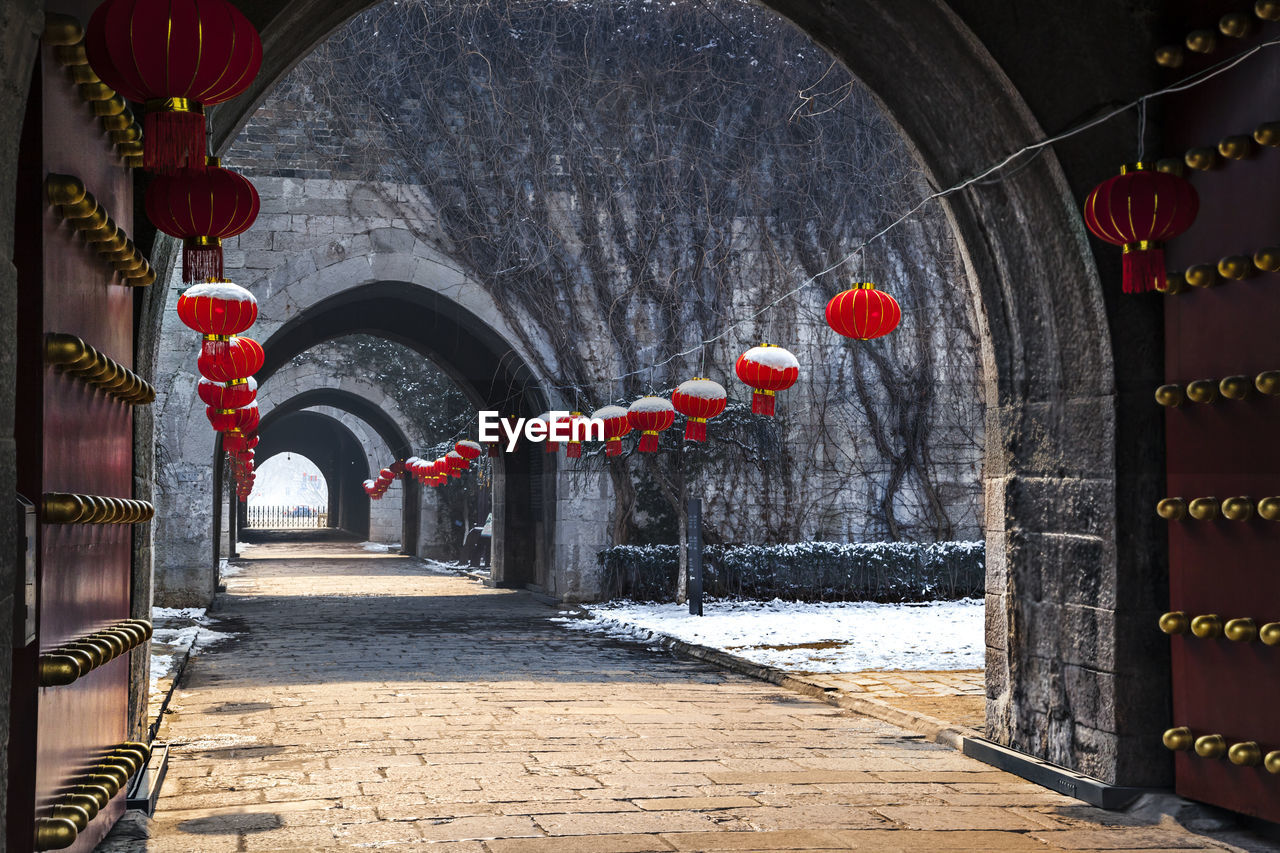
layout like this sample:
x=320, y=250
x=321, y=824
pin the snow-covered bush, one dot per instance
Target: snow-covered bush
x=805, y=571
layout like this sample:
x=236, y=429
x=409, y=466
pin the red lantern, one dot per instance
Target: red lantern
x=651, y=415
x=176, y=57
x=387, y=474
x=863, y=312
x=577, y=425
x=244, y=455
x=495, y=448
x=228, y=395
x=768, y=369
x=202, y=207
x=616, y=425
x=457, y=464
x=698, y=400
x=217, y=308
x=468, y=449
x=225, y=360
x=1139, y=209
x=241, y=420
x=237, y=441
x=550, y=446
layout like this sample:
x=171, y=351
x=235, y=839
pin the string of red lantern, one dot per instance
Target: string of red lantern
x=219, y=311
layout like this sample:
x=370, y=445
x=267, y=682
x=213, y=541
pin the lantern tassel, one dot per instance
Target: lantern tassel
x=1143, y=270
x=573, y=450
x=762, y=402
x=201, y=263
x=648, y=441
x=553, y=447
x=173, y=140
x=494, y=451
x=696, y=429
x=613, y=447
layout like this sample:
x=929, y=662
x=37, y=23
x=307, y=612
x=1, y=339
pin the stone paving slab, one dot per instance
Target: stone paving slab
x=367, y=703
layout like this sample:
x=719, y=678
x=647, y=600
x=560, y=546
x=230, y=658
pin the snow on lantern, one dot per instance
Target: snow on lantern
x=616, y=425
x=468, y=450
x=651, y=415
x=202, y=207
x=230, y=359
x=768, y=369
x=1138, y=210
x=698, y=400
x=217, y=309
x=175, y=57
x=863, y=312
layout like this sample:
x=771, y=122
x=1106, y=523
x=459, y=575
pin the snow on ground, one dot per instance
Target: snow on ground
x=379, y=547
x=843, y=636
x=176, y=631
x=441, y=568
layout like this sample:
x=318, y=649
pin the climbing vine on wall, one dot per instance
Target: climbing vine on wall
x=627, y=179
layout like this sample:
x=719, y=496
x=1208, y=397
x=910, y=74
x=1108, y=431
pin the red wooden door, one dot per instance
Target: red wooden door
x=1227, y=448
x=73, y=437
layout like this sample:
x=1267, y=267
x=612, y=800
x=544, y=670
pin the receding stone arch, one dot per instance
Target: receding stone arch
x=485, y=368
x=390, y=428
x=335, y=450
x=298, y=413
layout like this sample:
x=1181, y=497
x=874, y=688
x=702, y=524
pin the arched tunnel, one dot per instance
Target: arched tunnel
x=334, y=450
x=485, y=368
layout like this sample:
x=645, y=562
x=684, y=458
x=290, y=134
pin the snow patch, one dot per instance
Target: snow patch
x=774, y=357
x=652, y=404
x=217, y=741
x=810, y=637
x=609, y=412
x=220, y=290
x=703, y=389
x=379, y=547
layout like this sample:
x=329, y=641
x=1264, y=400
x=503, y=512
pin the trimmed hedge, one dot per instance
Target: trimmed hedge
x=805, y=571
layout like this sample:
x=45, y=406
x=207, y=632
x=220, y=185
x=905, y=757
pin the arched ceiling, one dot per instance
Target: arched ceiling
x=356, y=405
x=485, y=367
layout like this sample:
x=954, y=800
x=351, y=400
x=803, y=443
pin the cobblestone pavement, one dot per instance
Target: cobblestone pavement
x=958, y=697
x=368, y=703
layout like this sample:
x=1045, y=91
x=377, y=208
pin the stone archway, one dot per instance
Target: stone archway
x=398, y=513
x=1068, y=422
x=1072, y=675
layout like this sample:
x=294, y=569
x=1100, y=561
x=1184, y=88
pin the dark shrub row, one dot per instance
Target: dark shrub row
x=804, y=571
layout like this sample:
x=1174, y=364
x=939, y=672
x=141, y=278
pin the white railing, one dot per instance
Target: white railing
x=287, y=517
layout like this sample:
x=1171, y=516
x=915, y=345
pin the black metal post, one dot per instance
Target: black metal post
x=695, y=556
